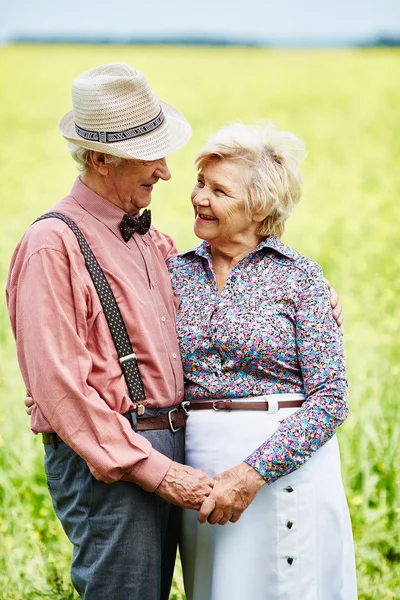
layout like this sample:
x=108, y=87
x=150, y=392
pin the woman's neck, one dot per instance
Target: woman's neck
x=226, y=256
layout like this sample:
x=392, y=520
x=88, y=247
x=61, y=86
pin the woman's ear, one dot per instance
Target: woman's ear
x=259, y=216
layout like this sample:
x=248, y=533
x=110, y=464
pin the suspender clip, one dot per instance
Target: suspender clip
x=124, y=359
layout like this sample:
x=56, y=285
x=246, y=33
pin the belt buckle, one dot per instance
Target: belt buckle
x=184, y=405
x=227, y=407
x=273, y=406
x=173, y=429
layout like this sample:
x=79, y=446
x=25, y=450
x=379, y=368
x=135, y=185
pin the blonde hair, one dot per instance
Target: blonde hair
x=274, y=184
x=82, y=157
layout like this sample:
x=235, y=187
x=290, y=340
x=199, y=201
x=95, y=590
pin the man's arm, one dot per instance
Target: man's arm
x=49, y=312
x=182, y=485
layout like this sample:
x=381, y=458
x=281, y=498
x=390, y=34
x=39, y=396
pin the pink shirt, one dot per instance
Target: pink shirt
x=65, y=350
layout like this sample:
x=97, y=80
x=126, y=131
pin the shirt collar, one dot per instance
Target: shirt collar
x=271, y=241
x=98, y=207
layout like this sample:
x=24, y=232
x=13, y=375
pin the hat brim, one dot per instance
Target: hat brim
x=172, y=135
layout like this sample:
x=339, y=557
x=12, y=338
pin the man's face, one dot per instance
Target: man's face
x=129, y=185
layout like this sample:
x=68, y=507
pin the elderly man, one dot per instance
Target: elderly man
x=105, y=417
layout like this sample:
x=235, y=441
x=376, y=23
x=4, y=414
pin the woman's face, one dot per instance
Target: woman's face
x=218, y=202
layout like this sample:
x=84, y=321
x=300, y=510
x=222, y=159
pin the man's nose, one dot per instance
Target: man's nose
x=162, y=171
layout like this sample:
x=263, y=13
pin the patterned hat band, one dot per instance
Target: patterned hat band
x=120, y=136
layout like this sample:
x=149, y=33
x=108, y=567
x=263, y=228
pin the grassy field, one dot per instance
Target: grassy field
x=345, y=105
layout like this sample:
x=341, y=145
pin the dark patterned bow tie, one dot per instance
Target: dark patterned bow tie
x=129, y=225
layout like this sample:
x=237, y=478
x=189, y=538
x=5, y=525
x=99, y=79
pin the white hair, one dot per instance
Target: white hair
x=82, y=157
x=274, y=184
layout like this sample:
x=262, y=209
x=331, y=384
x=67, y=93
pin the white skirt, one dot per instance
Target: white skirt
x=294, y=542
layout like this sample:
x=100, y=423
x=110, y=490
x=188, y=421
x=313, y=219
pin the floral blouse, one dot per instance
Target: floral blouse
x=270, y=331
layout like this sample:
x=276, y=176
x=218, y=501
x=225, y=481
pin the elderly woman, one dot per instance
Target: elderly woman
x=265, y=376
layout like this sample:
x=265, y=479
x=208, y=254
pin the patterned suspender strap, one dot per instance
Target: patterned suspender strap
x=111, y=310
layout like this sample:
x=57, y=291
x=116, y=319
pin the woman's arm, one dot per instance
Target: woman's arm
x=298, y=437
x=320, y=354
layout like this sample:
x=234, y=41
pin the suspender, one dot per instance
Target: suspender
x=112, y=313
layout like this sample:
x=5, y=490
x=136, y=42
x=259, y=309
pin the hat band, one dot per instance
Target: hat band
x=119, y=136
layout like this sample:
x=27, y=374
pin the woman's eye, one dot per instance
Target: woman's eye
x=218, y=191
x=200, y=183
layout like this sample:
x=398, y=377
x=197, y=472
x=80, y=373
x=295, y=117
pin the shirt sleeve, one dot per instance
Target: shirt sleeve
x=49, y=310
x=321, y=359
x=164, y=243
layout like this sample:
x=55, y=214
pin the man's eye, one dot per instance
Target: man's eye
x=200, y=183
x=219, y=191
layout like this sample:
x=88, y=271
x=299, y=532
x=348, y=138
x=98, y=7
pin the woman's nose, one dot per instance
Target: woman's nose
x=162, y=171
x=200, y=198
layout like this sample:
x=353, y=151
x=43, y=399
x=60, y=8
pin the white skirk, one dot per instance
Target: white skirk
x=294, y=542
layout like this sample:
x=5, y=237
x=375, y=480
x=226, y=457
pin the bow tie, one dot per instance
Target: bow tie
x=129, y=225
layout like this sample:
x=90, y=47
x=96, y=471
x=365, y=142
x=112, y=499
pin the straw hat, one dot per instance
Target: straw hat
x=116, y=111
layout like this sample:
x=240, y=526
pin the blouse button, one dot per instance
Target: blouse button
x=289, y=560
x=174, y=355
x=288, y=489
x=163, y=319
x=289, y=524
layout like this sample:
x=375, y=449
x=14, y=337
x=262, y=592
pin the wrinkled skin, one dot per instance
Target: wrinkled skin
x=233, y=492
x=185, y=486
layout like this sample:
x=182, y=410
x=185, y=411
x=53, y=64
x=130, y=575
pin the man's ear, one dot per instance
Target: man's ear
x=98, y=162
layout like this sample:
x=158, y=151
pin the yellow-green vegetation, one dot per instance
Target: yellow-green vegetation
x=345, y=105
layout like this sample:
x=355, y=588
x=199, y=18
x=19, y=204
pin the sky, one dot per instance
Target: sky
x=253, y=20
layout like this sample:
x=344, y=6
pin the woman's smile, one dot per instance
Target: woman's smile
x=205, y=217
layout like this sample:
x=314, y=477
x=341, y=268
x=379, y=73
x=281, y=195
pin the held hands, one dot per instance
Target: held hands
x=232, y=493
x=218, y=500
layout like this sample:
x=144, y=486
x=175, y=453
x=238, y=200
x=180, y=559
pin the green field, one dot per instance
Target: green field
x=345, y=105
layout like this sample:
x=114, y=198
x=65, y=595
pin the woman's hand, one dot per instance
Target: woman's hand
x=233, y=492
x=29, y=403
x=336, y=306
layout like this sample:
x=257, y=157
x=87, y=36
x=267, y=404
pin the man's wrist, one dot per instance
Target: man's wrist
x=149, y=473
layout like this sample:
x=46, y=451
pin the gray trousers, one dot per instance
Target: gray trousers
x=124, y=539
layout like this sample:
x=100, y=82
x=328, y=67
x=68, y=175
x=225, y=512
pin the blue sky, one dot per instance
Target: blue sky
x=251, y=19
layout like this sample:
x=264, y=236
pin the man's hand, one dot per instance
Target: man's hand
x=336, y=306
x=185, y=486
x=233, y=491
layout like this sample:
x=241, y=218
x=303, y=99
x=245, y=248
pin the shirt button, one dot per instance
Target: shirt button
x=153, y=284
x=163, y=319
x=174, y=355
